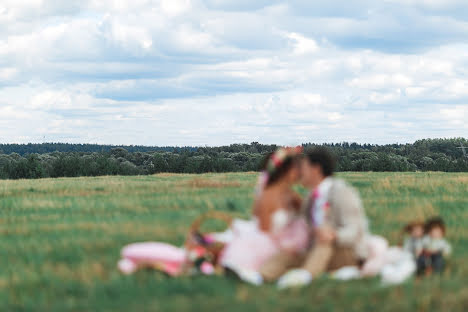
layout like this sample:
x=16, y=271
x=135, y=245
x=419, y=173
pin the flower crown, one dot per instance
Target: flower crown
x=280, y=156
x=274, y=162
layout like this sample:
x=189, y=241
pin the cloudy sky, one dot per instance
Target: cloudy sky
x=211, y=72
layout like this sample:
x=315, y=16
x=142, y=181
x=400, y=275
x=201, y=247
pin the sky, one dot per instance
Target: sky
x=216, y=72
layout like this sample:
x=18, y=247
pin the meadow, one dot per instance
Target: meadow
x=60, y=241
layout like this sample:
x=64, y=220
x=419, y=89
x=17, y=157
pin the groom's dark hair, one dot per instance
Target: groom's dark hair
x=322, y=157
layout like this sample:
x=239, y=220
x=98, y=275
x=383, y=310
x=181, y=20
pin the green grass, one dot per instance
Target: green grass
x=61, y=238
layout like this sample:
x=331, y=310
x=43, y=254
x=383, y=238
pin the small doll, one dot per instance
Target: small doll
x=414, y=238
x=435, y=248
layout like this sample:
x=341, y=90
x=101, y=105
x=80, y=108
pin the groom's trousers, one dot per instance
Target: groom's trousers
x=319, y=259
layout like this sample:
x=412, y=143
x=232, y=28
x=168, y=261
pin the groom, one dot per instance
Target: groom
x=337, y=221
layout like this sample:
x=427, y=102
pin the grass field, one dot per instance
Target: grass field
x=60, y=241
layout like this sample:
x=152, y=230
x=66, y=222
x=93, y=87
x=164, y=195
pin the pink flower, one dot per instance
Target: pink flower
x=207, y=268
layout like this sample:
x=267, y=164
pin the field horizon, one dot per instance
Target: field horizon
x=61, y=239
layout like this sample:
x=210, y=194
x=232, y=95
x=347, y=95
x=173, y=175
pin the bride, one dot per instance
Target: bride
x=277, y=224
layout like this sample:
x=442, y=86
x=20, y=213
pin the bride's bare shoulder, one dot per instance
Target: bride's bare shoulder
x=267, y=198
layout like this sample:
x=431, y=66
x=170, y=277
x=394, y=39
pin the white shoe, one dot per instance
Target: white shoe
x=294, y=278
x=347, y=273
x=248, y=276
x=126, y=266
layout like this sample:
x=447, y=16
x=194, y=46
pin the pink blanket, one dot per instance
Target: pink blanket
x=162, y=256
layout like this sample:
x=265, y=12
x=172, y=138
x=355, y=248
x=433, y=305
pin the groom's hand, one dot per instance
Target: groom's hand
x=325, y=235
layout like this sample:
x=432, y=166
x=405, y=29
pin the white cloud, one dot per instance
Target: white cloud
x=166, y=72
x=457, y=116
x=433, y=4
x=175, y=7
x=131, y=38
x=59, y=100
x=302, y=44
x=187, y=39
x=13, y=113
x=8, y=73
x=381, y=81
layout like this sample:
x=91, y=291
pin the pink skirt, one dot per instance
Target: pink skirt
x=251, y=247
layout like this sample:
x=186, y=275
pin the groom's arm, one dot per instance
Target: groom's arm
x=347, y=206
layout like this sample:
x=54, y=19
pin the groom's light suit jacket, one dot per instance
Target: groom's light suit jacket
x=346, y=215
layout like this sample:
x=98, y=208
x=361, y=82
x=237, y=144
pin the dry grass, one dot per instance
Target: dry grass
x=209, y=183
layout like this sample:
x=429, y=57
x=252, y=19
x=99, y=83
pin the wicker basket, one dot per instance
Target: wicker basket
x=200, y=249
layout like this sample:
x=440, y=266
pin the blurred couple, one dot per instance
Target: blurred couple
x=291, y=239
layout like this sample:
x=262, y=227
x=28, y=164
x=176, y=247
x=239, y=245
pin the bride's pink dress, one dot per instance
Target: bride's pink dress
x=250, y=247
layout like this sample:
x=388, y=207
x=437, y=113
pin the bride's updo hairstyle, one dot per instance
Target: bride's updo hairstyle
x=277, y=164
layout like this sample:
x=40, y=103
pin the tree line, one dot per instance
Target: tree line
x=43, y=148
x=19, y=161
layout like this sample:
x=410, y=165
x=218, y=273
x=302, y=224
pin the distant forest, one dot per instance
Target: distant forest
x=18, y=161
